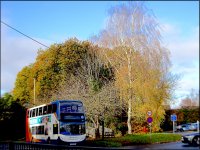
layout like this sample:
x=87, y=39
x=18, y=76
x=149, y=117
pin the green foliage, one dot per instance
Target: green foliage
x=12, y=118
x=103, y=143
x=147, y=138
x=55, y=65
x=189, y=115
x=5, y=101
x=183, y=116
x=95, y=85
x=5, y=104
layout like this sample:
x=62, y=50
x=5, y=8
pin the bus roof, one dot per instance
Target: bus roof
x=37, y=106
x=55, y=102
x=64, y=101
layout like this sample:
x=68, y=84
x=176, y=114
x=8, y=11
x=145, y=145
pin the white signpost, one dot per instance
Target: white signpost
x=149, y=113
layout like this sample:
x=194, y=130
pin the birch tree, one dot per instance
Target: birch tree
x=132, y=45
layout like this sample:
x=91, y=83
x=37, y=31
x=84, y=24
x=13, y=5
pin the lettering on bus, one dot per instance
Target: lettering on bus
x=70, y=108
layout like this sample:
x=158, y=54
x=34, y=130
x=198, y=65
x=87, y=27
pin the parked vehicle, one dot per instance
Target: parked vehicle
x=187, y=127
x=193, y=139
x=193, y=126
x=183, y=127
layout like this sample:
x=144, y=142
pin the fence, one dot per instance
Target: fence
x=109, y=134
x=39, y=146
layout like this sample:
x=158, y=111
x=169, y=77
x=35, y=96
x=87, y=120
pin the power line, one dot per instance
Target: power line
x=24, y=34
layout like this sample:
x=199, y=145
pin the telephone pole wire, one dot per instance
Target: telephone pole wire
x=24, y=34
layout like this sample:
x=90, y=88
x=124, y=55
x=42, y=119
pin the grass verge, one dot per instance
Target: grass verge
x=136, y=139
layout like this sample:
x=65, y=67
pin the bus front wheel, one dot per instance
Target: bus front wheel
x=48, y=140
x=32, y=141
x=58, y=141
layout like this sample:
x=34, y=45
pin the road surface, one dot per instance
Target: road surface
x=171, y=145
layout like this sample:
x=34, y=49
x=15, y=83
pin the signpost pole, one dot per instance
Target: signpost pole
x=173, y=118
x=149, y=120
x=150, y=132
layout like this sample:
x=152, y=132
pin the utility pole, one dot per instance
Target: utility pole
x=34, y=92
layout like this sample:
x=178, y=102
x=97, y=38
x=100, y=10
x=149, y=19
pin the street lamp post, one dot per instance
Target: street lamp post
x=34, y=92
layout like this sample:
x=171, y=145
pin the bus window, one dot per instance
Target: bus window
x=54, y=108
x=36, y=111
x=40, y=130
x=40, y=111
x=44, y=110
x=49, y=109
x=33, y=113
x=30, y=113
x=33, y=130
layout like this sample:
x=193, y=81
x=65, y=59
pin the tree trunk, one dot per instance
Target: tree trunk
x=129, y=92
x=97, y=133
x=129, y=117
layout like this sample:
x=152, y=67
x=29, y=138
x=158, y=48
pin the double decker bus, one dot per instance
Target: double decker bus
x=58, y=121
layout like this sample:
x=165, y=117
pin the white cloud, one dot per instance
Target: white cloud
x=185, y=51
x=16, y=52
x=169, y=30
x=184, y=56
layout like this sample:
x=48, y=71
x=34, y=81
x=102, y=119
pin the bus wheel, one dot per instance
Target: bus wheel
x=58, y=140
x=48, y=140
x=32, y=141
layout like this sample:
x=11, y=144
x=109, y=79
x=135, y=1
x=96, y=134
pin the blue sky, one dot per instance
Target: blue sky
x=55, y=22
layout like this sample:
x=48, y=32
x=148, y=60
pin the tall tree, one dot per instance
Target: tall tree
x=132, y=45
x=23, y=89
x=55, y=65
x=51, y=69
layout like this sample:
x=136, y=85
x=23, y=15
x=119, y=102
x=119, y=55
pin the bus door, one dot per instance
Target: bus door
x=53, y=134
x=55, y=128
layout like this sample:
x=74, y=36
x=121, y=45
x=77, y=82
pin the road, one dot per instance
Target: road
x=172, y=145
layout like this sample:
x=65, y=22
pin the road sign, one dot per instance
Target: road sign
x=149, y=119
x=173, y=118
x=149, y=113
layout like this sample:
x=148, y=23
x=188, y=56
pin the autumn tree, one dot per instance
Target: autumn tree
x=131, y=44
x=23, y=89
x=51, y=69
x=92, y=83
x=55, y=65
